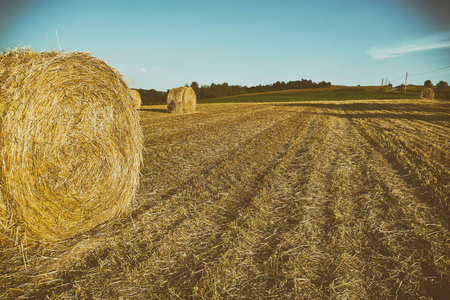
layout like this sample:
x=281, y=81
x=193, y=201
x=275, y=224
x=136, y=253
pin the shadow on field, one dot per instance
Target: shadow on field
x=382, y=110
x=158, y=110
x=390, y=148
x=426, y=118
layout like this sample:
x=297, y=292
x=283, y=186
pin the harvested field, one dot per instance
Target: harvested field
x=307, y=200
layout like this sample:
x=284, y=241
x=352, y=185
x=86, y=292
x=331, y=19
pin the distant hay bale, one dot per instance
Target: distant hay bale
x=136, y=98
x=427, y=93
x=70, y=143
x=181, y=100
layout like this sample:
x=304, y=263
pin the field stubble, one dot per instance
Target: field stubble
x=307, y=200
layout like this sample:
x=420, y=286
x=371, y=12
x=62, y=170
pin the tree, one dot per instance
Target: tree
x=151, y=97
x=195, y=87
x=428, y=83
x=442, y=84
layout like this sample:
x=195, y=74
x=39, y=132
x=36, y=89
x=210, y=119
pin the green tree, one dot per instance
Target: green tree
x=428, y=83
x=442, y=84
x=196, y=88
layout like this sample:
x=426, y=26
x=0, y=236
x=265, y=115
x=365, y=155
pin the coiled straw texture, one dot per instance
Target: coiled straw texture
x=70, y=143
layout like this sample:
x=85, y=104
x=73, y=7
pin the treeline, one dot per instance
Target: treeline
x=217, y=90
x=224, y=90
x=291, y=85
x=151, y=97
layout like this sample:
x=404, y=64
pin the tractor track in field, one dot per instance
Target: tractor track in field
x=168, y=205
x=225, y=220
x=310, y=200
x=410, y=159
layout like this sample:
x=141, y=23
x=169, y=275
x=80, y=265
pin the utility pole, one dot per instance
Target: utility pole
x=406, y=80
x=382, y=82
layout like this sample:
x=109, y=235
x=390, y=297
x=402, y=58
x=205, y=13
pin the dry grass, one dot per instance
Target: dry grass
x=427, y=93
x=311, y=200
x=70, y=144
x=181, y=100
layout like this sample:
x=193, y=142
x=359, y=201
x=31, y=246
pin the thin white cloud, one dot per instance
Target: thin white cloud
x=430, y=43
x=143, y=70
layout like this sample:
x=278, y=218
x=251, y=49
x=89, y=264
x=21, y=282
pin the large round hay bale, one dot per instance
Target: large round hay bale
x=181, y=100
x=136, y=98
x=427, y=93
x=70, y=142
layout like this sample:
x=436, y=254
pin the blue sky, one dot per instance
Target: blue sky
x=164, y=44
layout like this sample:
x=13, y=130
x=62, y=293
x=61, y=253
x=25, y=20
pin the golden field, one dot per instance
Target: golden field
x=306, y=200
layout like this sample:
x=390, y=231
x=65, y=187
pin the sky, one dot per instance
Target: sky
x=164, y=44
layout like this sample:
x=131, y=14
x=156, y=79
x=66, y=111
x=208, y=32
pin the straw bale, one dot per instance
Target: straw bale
x=181, y=100
x=427, y=93
x=136, y=98
x=70, y=143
